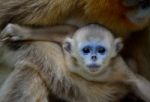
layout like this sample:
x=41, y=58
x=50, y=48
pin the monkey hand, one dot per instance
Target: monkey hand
x=11, y=33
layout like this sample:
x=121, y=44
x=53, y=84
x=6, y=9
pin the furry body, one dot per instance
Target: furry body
x=41, y=77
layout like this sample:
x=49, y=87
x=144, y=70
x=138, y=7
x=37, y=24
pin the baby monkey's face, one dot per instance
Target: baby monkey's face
x=94, y=55
x=93, y=48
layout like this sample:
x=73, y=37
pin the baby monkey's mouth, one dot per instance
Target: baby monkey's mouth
x=93, y=67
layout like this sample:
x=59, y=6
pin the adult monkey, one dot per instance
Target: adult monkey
x=124, y=17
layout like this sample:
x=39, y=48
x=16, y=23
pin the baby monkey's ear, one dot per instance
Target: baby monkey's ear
x=118, y=45
x=67, y=45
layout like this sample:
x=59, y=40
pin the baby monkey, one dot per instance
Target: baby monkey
x=91, y=52
x=87, y=70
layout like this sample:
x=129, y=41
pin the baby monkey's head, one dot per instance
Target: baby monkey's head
x=91, y=48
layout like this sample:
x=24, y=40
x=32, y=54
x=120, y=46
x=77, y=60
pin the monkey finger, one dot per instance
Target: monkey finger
x=7, y=32
x=5, y=35
x=15, y=38
x=4, y=39
x=10, y=37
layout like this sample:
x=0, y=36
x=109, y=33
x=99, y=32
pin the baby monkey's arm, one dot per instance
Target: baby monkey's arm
x=141, y=87
x=14, y=32
x=139, y=84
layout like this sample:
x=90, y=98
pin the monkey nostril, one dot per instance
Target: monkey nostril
x=94, y=58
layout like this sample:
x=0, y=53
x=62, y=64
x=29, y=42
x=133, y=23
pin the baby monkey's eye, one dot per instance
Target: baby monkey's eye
x=101, y=50
x=86, y=50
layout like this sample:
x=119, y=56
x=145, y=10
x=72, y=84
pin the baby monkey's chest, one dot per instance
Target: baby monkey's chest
x=102, y=92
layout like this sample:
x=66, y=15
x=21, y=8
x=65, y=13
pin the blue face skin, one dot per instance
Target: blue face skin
x=93, y=54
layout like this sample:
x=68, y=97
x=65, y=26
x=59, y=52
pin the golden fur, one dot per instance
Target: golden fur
x=48, y=12
x=110, y=13
x=34, y=78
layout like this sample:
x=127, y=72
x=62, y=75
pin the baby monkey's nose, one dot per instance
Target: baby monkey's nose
x=94, y=58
